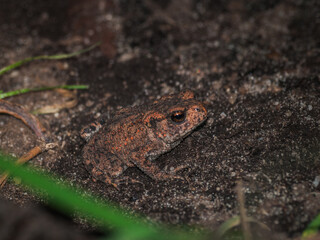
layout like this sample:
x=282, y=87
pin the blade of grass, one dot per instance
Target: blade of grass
x=312, y=228
x=73, y=200
x=234, y=222
x=226, y=226
x=52, y=57
x=25, y=90
x=64, y=198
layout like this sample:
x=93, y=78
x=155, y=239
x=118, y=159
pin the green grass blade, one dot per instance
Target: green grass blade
x=14, y=65
x=73, y=200
x=52, y=57
x=234, y=222
x=226, y=226
x=25, y=90
x=60, y=194
x=312, y=229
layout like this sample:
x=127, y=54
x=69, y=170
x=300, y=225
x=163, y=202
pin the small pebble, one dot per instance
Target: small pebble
x=288, y=113
x=316, y=181
x=89, y=103
x=223, y=115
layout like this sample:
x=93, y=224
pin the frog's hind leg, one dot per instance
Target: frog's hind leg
x=110, y=170
x=102, y=165
x=105, y=166
x=115, y=177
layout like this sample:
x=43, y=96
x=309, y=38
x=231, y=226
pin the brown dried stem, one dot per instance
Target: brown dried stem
x=243, y=217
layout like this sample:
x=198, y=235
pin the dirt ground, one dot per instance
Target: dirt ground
x=255, y=63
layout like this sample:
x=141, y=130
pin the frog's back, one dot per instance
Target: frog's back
x=119, y=136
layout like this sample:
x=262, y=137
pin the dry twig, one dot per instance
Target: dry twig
x=243, y=217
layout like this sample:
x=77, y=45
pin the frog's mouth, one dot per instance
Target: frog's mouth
x=183, y=134
x=195, y=127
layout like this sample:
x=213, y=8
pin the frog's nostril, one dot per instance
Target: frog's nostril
x=200, y=109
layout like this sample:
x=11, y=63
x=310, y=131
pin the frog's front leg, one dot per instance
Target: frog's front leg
x=144, y=162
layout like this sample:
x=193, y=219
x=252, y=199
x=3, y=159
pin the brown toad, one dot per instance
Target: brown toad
x=136, y=136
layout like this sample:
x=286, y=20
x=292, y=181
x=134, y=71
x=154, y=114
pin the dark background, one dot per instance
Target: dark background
x=255, y=63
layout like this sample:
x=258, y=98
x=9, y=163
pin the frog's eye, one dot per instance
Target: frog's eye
x=178, y=116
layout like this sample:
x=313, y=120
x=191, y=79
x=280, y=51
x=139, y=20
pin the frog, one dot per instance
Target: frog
x=137, y=135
